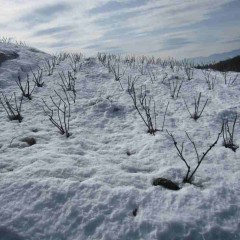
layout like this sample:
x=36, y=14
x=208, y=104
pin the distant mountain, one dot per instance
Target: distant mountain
x=232, y=64
x=216, y=57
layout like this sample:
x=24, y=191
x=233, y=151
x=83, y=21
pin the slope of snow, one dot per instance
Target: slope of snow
x=21, y=59
x=88, y=185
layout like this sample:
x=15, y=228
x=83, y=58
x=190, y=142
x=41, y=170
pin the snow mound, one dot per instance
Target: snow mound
x=15, y=59
x=98, y=183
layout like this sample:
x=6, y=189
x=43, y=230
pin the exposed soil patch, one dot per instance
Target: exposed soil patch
x=7, y=56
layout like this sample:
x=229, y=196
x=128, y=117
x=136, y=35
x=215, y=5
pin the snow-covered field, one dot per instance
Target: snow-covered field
x=97, y=184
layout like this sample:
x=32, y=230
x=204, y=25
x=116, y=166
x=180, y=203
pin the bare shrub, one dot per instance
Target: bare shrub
x=197, y=112
x=143, y=65
x=5, y=40
x=148, y=116
x=171, y=63
x=26, y=91
x=68, y=83
x=102, y=58
x=228, y=135
x=75, y=62
x=190, y=174
x=233, y=80
x=61, y=57
x=130, y=61
x=60, y=114
x=118, y=74
x=225, y=75
x=210, y=80
x=175, y=87
x=228, y=79
x=188, y=69
x=162, y=62
x=153, y=74
x=50, y=64
x=145, y=106
x=11, y=107
x=164, y=77
x=37, y=78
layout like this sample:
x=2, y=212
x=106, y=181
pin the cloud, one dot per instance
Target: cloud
x=59, y=45
x=112, y=6
x=94, y=46
x=44, y=14
x=115, y=50
x=232, y=41
x=175, y=43
x=53, y=30
x=177, y=28
x=51, y=10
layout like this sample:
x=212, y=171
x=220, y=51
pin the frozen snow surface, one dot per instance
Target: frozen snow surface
x=97, y=184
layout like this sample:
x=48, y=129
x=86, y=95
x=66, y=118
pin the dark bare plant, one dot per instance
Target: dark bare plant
x=130, y=61
x=228, y=134
x=148, y=118
x=118, y=74
x=5, y=40
x=232, y=80
x=175, y=87
x=210, y=80
x=62, y=56
x=49, y=66
x=188, y=69
x=11, y=107
x=171, y=63
x=60, y=116
x=145, y=106
x=162, y=62
x=164, y=77
x=26, y=91
x=197, y=112
x=153, y=74
x=68, y=83
x=225, y=75
x=75, y=62
x=190, y=174
x=143, y=65
x=37, y=77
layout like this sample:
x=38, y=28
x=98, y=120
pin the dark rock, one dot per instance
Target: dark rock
x=129, y=153
x=165, y=183
x=135, y=212
x=30, y=141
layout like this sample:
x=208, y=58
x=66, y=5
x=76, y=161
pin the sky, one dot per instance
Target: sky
x=161, y=28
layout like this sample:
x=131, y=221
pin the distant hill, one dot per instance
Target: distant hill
x=216, y=57
x=232, y=64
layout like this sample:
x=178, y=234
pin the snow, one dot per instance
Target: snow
x=88, y=185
